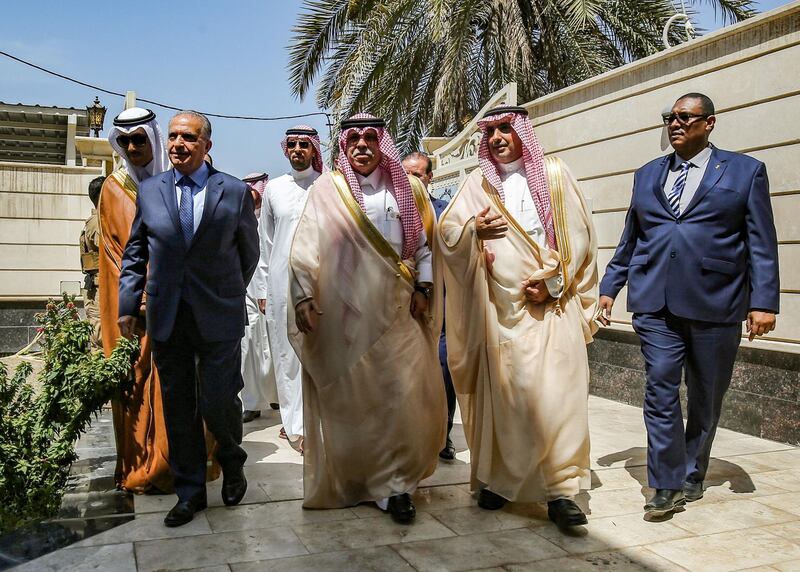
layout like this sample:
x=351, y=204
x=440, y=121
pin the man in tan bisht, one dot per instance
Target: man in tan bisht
x=517, y=250
x=367, y=326
x=141, y=438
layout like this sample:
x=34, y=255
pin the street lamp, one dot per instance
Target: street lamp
x=97, y=114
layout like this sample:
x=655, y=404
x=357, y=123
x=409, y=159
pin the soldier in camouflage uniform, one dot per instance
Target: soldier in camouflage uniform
x=90, y=250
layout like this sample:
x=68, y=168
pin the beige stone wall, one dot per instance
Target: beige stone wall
x=42, y=212
x=608, y=126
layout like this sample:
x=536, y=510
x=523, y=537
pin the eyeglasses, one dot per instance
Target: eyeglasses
x=138, y=140
x=683, y=117
x=301, y=144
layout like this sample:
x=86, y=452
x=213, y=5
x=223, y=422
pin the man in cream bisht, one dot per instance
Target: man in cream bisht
x=259, y=390
x=367, y=329
x=518, y=250
x=283, y=202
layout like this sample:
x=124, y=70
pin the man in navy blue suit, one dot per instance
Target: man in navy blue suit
x=420, y=165
x=699, y=254
x=193, y=248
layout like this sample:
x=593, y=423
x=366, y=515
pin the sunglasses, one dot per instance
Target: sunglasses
x=137, y=139
x=301, y=144
x=683, y=117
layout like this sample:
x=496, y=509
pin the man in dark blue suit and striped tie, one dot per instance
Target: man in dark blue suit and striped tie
x=699, y=254
x=193, y=248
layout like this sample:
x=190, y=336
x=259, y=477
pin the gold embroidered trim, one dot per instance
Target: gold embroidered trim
x=498, y=203
x=423, y=207
x=555, y=183
x=373, y=234
x=125, y=181
x=130, y=189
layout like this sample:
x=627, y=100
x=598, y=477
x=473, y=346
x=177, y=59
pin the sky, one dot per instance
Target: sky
x=227, y=57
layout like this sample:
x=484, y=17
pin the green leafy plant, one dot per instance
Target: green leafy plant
x=40, y=423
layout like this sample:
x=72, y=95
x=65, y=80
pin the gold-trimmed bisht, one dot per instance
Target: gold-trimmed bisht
x=555, y=184
x=373, y=234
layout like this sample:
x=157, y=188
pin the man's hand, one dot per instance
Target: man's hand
x=605, y=305
x=306, y=316
x=127, y=326
x=759, y=323
x=419, y=305
x=536, y=291
x=262, y=305
x=489, y=256
x=490, y=227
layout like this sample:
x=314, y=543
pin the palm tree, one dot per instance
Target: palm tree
x=427, y=66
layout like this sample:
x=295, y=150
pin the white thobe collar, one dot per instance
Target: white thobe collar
x=302, y=175
x=506, y=169
x=373, y=179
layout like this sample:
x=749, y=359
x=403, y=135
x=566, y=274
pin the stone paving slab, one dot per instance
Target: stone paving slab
x=748, y=519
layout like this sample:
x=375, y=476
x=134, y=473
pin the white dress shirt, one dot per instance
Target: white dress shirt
x=200, y=179
x=519, y=202
x=381, y=208
x=699, y=163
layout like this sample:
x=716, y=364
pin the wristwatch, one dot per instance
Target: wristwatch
x=427, y=290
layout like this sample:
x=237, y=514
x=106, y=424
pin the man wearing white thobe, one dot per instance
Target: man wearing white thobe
x=283, y=202
x=257, y=373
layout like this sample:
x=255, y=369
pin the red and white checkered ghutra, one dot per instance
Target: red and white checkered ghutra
x=533, y=159
x=390, y=163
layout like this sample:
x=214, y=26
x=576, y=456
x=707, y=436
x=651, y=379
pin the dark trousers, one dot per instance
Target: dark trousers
x=199, y=381
x=449, y=390
x=706, y=351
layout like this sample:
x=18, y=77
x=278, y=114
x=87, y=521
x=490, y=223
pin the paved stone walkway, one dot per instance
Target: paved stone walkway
x=749, y=518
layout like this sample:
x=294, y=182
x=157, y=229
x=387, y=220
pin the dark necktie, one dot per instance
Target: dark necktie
x=186, y=210
x=677, y=189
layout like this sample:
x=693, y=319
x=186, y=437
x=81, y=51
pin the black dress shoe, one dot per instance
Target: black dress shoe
x=449, y=451
x=234, y=485
x=693, y=491
x=183, y=511
x=490, y=501
x=274, y=406
x=248, y=416
x=664, y=502
x=402, y=508
x=565, y=513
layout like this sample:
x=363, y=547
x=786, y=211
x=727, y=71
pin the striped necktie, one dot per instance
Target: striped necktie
x=186, y=210
x=674, y=196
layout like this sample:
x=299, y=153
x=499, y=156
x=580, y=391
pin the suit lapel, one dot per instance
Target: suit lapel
x=213, y=196
x=658, y=188
x=170, y=197
x=714, y=170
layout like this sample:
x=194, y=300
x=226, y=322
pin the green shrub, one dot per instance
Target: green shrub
x=40, y=424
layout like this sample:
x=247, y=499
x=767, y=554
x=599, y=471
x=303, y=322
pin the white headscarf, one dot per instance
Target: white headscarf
x=124, y=124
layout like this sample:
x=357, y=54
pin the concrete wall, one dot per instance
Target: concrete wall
x=608, y=126
x=42, y=209
x=42, y=212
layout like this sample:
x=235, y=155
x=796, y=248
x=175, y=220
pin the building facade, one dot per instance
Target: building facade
x=606, y=127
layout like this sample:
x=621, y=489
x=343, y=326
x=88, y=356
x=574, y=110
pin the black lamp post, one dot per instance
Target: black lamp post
x=97, y=114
